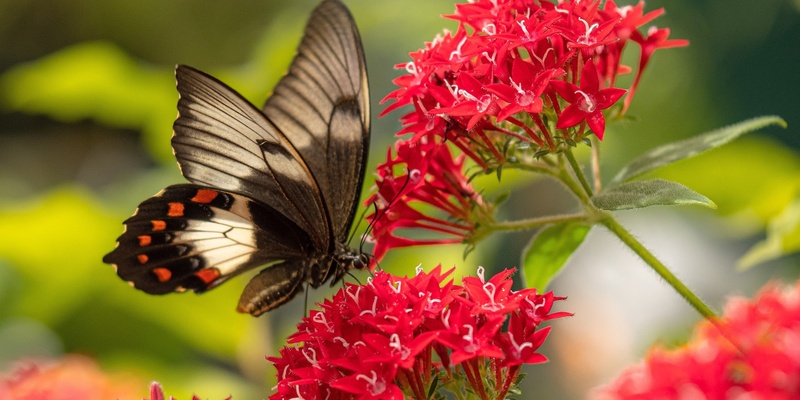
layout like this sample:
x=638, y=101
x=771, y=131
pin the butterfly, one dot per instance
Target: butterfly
x=276, y=186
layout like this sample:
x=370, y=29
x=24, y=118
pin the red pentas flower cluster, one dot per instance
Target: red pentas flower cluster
x=398, y=336
x=764, y=364
x=518, y=67
x=517, y=78
x=432, y=176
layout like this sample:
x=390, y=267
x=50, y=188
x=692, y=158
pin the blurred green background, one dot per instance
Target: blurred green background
x=87, y=100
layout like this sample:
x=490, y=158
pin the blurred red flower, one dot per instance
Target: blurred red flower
x=764, y=364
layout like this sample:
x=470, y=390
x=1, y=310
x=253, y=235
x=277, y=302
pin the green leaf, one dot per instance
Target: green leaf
x=783, y=237
x=549, y=250
x=656, y=192
x=671, y=152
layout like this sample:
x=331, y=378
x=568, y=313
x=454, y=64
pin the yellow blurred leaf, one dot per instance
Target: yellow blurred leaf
x=753, y=179
x=96, y=81
x=783, y=237
x=53, y=243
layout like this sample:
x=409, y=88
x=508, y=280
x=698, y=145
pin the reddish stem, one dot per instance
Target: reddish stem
x=499, y=157
x=545, y=132
x=475, y=371
x=527, y=130
x=513, y=372
x=497, y=376
x=554, y=101
x=413, y=381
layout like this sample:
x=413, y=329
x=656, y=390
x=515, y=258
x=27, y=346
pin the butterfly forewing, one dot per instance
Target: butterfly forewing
x=223, y=141
x=322, y=105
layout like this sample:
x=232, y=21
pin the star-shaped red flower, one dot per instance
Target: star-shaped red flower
x=587, y=102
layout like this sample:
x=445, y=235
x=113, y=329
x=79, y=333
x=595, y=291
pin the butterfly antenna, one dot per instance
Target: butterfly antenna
x=369, y=228
x=380, y=213
x=354, y=278
x=360, y=218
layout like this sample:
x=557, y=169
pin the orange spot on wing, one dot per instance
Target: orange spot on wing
x=207, y=275
x=142, y=258
x=145, y=240
x=162, y=274
x=205, y=196
x=175, y=209
x=158, y=225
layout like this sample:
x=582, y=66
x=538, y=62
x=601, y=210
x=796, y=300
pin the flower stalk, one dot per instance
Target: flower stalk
x=578, y=171
x=626, y=237
x=532, y=223
x=593, y=214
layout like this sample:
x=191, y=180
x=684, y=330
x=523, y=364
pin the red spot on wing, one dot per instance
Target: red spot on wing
x=207, y=275
x=205, y=196
x=142, y=258
x=175, y=209
x=162, y=274
x=145, y=240
x=158, y=225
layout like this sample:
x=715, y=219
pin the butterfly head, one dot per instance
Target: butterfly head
x=343, y=263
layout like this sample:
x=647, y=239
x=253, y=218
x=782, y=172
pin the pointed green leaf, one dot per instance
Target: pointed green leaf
x=671, y=152
x=549, y=251
x=783, y=237
x=656, y=192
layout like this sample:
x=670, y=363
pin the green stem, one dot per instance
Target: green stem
x=578, y=172
x=531, y=223
x=598, y=183
x=535, y=166
x=612, y=225
x=565, y=177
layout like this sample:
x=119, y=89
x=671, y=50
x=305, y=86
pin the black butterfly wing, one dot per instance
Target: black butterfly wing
x=322, y=106
x=188, y=237
x=222, y=141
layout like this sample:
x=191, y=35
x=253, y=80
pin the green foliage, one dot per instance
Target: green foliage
x=751, y=180
x=549, y=251
x=656, y=192
x=96, y=81
x=756, y=183
x=783, y=237
x=676, y=151
x=60, y=230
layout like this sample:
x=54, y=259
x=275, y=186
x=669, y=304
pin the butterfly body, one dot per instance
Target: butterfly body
x=277, y=186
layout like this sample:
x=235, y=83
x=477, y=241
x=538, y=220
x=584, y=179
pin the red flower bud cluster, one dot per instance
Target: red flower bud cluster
x=388, y=338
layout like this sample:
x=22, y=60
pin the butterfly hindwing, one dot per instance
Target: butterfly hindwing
x=322, y=105
x=188, y=237
x=223, y=141
x=272, y=287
